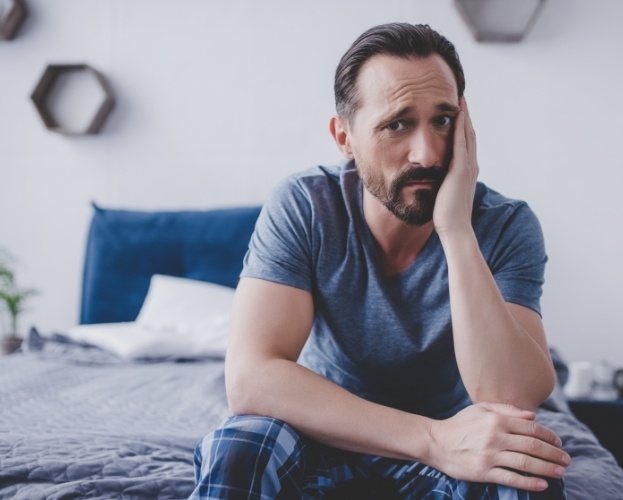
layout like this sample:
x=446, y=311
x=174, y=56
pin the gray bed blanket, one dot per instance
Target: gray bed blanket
x=76, y=422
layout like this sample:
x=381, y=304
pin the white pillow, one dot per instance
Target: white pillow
x=180, y=318
x=183, y=306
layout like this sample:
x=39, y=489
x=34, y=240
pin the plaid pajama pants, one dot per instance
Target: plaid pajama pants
x=260, y=458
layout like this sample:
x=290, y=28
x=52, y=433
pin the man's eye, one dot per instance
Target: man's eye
x=443, y=121
x=396, y=126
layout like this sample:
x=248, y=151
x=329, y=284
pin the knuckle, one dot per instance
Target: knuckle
x=509, y=478
x=534, y=428
x=509, y=408
x=494, y=418
x=522, y=462
x=482, y=468
x=489, y=438
x=534, y=446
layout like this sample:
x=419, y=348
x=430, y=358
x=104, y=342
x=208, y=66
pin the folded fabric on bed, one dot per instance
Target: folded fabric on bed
x=180, y=319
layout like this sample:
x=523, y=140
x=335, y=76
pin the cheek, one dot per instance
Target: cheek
x=385, y=151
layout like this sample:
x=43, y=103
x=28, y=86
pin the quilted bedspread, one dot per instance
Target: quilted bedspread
x=77, y=422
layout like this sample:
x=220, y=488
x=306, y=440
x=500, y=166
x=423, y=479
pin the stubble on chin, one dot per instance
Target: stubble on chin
x=414, y=212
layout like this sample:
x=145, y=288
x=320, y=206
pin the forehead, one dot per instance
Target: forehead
x=386, y=82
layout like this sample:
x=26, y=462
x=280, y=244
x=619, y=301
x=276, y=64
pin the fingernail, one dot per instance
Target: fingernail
x=542, y=484
x=566, y=459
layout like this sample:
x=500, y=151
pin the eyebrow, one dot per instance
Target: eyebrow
x=448, y=107
x=445, y=107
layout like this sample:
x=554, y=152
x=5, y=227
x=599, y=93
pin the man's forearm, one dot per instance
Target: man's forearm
x=477, y=444
x=498, y=359
x=327, y=413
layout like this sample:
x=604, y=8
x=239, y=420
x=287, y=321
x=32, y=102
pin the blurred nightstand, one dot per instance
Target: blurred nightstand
x=605, y=419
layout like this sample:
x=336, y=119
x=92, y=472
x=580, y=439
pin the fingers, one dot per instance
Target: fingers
x=535, y=456
x=460, y=141
x=464, y=144
x=512, y=468
x=516, y=480
x=534, y=448
x=509, y=410
x=468, y=130
x=502, y=444
x=526, y=462
x=533, y=430
x=530, y=449
x=523, y=423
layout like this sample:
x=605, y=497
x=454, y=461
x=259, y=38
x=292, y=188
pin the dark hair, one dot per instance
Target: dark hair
x=401, y=40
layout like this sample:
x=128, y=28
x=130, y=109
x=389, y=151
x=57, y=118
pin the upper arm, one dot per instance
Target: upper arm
x=530, y=321
x=517, y=260
x=268, y=321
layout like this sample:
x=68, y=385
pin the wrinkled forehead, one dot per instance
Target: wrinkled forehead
x=386, y=81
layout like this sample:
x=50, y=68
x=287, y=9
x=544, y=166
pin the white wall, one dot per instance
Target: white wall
x=217, y=100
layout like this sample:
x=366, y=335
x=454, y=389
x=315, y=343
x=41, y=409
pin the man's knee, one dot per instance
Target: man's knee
x=244, y=447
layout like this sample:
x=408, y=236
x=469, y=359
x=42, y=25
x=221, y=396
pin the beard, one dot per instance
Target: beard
x=418, y=208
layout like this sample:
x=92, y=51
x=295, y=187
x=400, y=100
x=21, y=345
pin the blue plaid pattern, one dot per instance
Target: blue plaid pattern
x=261, y=458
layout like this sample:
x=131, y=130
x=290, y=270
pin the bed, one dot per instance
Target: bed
x=87, y=414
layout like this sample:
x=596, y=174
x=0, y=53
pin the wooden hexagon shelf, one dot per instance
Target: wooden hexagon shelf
x=499, y=20
x=57, y=92
x=12, y=14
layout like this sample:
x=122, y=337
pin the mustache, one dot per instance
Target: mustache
x=434, y=174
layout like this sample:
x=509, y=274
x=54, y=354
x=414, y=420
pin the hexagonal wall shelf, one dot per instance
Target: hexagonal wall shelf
x=499, y=20
x=73, y=99
x=12, y=14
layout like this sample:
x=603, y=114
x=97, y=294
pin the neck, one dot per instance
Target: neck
x=399, y=244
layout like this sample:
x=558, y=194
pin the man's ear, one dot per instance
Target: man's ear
x=339, y=128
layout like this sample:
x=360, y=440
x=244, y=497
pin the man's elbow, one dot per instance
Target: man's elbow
x=542, y=388
x=238, y=386
x=249, y=386
x=524, y=396
x=546, y=392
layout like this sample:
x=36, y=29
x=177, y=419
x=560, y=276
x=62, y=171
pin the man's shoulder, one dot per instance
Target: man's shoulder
x=488, y=199
x=495, y=212
x=315, y=184
x=490, y=204
x=318, y=175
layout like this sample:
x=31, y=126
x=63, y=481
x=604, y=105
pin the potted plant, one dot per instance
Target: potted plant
x=12, y=300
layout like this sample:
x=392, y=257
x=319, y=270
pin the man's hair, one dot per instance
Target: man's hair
x=401, y=40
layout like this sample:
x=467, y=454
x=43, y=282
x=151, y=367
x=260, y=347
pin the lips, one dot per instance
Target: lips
x=421, y=175
x=417, y=178
x=422, y=181
x=426, y=183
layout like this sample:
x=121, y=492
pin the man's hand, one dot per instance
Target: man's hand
x=453, y=206
x=496, y=443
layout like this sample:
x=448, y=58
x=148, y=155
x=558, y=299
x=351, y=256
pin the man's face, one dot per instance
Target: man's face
x=401, y=135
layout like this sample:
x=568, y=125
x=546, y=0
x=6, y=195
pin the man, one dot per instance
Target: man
x=386, y=327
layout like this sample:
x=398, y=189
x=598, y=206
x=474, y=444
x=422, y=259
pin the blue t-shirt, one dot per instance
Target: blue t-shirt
x=387, y=339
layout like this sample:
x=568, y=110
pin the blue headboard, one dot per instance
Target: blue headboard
x=125, y=248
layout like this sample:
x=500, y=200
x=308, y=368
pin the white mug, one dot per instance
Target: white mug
x=581, y=380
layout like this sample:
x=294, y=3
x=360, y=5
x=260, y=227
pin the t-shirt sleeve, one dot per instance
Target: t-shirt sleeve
x=519, y=258
x=279, y=250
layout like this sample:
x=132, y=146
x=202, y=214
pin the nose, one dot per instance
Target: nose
x=425, y=149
